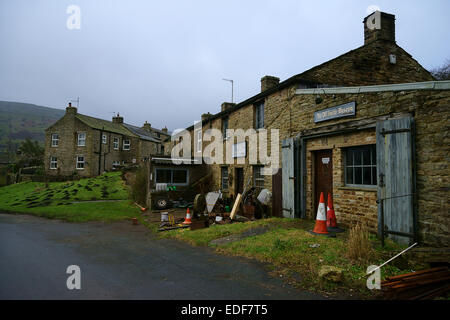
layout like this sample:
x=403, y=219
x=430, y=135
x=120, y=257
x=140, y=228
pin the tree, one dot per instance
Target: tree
x=30, y=153
x=442, y=72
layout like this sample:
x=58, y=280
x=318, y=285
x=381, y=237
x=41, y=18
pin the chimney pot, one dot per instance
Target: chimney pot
x=205, y=116
x=147, y=126
x=70, y=109
x=268, y=82
x=117, y=119
x=164, y=129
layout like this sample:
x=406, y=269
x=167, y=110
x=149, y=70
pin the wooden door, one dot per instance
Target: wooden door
x=323, y=176
x=395, y=168
x=239, y=185
x=277, y=204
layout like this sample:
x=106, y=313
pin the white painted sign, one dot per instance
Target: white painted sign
x=239, y=150
x=325, y=160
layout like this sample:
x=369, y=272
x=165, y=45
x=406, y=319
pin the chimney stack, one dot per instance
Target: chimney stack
x=71, y=110
x=147, y=126
x=164, y=129
x=379, y=26
x=268, y=82
x=226, y=106
x=117, y=119
x=205, y=116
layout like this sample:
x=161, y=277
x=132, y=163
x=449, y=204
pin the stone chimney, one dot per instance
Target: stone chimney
x=71, y=110
x=268, y=82
x=117, y=119
x=379, y=26
x=226, y=106
x=206, y=116
x=147, y=126
x=164, y=130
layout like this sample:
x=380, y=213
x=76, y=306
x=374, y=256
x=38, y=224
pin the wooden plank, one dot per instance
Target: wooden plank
x=287, y=171
x=236, y=206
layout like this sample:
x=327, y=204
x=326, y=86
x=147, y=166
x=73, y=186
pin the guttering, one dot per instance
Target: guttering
x=428, y=85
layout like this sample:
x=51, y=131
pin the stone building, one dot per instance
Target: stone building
x=81, y=145
x=369, y=127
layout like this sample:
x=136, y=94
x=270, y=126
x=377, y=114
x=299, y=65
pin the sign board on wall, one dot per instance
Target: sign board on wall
x=344, y=110
x=239, y=150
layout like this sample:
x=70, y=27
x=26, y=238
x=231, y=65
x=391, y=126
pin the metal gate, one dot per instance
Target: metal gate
x=395, y=167
x=287, y=169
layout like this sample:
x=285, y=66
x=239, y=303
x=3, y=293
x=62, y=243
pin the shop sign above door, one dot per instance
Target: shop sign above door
x=343, y=110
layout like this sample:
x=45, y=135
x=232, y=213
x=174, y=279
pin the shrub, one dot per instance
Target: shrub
x=359, y=246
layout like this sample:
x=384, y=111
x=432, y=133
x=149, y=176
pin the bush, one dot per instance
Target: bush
x=139, y=186
x=359, y=246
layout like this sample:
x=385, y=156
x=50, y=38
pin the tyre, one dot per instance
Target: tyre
x=161, y=203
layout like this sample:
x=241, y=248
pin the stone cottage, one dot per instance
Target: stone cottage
x=369, y=127
x=86, y=146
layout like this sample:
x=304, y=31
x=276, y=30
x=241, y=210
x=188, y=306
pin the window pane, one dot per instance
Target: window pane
x=367, y=175
x=358, y=158
x=163, y=176
x=374, y=154
x=358, y=175
x=374, y=174
x=349, y=175
x=179, y=176
x=349, y=158
x=366, y=156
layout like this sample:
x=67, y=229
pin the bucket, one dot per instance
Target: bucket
x=164, y=216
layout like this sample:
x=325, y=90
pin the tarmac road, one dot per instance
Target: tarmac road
x=122, y=261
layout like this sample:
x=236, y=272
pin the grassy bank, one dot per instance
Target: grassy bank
x=74, y=201
x=297, y=255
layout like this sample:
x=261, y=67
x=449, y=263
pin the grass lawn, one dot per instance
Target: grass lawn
x=57, y=201
x=287, y=248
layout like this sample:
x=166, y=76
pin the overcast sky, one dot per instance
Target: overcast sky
x=164, y=61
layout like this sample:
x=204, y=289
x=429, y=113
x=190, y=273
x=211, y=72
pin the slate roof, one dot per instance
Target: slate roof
x=142, y=133
x=105, y=125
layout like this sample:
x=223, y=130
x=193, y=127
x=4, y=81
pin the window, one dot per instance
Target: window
x=259, y=116
x=224, y=127
x=116, y=163
x=55, y=139
x=361, y=166
x=162, y=149
x=80, y=162
x=116, y=143
x=224, y=176
x=258, y=178
x=53, y=163
x=82, y=139
x=104, y=138
x=126, y=144
x=172, y=176
x=199, y=140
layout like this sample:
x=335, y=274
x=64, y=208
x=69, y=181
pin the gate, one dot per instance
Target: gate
x=395, y=167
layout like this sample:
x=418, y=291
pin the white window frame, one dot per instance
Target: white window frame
x=116, y=163
x=199, y=140
x=80, y=162
x=82, y=139
x=104, y=138
x=172, y=170
x=127, y=145
x=258, y=177
x=224, y=178
x=362, y=166
x=116, y=143
x=55, y=140
x=53, y=162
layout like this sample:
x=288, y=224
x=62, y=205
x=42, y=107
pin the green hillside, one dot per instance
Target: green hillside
x=19, y=121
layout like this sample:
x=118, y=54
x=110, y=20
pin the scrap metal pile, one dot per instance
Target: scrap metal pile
x=420, y=285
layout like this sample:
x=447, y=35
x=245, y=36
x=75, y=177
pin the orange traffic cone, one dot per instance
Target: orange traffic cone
x=187, y=220
x=321, y=219
x=331, y=217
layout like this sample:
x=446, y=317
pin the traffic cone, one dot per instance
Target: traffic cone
x=187, y=220
x=321, y=219
x=331, y=217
